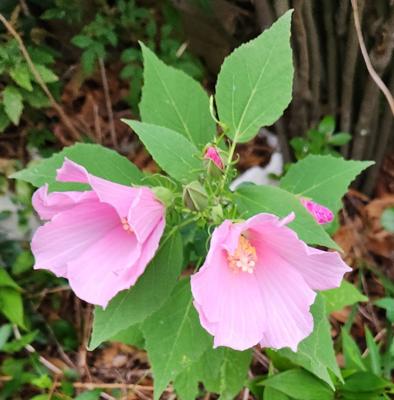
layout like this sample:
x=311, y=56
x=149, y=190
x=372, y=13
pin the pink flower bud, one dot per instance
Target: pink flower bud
x=321, y=214
x=212, y=154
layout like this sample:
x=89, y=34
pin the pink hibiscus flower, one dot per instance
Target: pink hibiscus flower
x=212, y=154
x=100, y=240
x=321, y=214
x=258, y=282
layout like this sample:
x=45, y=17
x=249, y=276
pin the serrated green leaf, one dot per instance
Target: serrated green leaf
x=255, y=82
x=184, y=105
x=300, y=385
x=345, y=295
x=172, y=151
x=316, y=353
x=150, y=292
x=21, y=75
x=13, y=103
x=98, y=160
x=11, y=305
x=324, y=179
x=223, y=371
x=47, y=75
x=174, y=337
x=254, y=199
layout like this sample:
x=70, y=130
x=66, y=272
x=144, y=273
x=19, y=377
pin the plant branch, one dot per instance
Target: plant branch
x=63, y=116
x=374, y=75
x=108, y=103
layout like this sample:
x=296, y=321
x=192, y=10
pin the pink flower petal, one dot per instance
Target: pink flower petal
x=145, y=213
x=48, y=205
x=70, y=233
x=321, y=270
x=287, y=300
x=119, y=196
x=213, y=155
x=98, y=274
x=229, y=303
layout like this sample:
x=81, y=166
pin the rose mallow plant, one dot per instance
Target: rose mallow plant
x=144, y=248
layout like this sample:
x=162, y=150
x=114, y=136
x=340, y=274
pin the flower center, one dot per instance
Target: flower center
x=244, y=258
x=126, y=225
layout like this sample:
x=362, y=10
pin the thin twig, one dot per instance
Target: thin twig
x=108, y=103
x=53, y=368
x=374, y=75
x=63, y=116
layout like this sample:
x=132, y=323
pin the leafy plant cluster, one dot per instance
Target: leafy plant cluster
x=157, y=314
x=103, y=30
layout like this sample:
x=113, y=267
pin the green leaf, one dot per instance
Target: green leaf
x=131, y=336
x=184, y=105
x=351, y=352
x=373, y=355
x=19, y=344
x=339, y=139
x=273, y=394
x=365, y=382
x=300, y=385
x=5, y=333
x=388, y=304
x=7, y=281
x=89, y=395
x=4, y=120
x=223, y=371
x=345, y=295
x=172, y=151
x=255, y=82
x=324, y=179
x=13, y=105
x=98, y=160
x=387, y=219
x=11, y=305
x=152, y=289
x=327, y=125
x=21, y=75
x=316, y=353
x=81, y=41
x=46, y=74
x=174, y=337
x=254, y=199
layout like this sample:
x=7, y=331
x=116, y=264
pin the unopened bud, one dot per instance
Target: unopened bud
x=321, y=214
x=195, y=197
x=164, y=195
x=213, y=159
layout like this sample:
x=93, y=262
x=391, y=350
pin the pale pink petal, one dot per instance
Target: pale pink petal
x=119, y=196
x=48, y=205
x=145, y=213
x=321, y=270
x=229, y=303
x=287, y=300
x=149, y=248
x=98, y=274
x=70, y=233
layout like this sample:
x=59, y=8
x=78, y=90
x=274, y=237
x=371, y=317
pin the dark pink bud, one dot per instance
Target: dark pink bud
x=321, y=214
x=212, y=154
